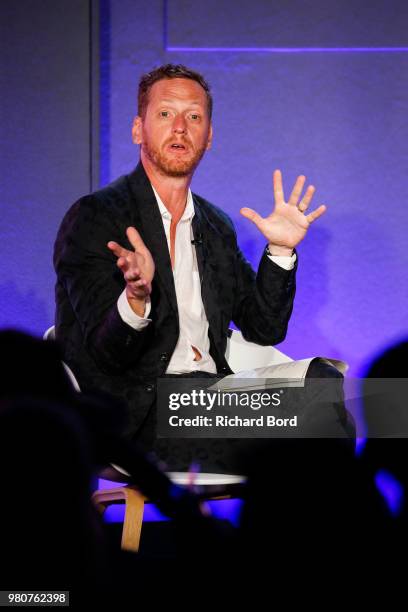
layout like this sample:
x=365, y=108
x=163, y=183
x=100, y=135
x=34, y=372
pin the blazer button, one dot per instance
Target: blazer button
x=149, y=388
x=224, y=369
x=164, y=357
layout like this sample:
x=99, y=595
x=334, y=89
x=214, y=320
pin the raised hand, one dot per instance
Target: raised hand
x=137, y=267
x=287, y=224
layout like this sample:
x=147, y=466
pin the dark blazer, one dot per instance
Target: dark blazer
x=107, y=354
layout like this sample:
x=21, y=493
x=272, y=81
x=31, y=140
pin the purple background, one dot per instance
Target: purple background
x=318, y=88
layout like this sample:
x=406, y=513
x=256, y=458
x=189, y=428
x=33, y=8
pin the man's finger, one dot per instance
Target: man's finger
x=252, y=215
x=135, y=239
x=141, y=288
x=307, y=198
x=131, y=276
x=117, y=250
x=278, y=187
x=122, y=263
x=316, y=213
x=297, y=190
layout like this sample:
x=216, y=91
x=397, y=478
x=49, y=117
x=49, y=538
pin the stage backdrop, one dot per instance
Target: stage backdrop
x=317, y=88
x=45, y=145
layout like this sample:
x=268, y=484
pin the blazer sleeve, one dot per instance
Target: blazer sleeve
x=263, y=301
x=88, y=275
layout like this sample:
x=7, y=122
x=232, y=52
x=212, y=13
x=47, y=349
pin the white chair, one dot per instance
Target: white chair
x=50, y=335
x=241, y=355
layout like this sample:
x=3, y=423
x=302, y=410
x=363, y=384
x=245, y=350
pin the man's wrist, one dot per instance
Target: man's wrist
x=279, y=251
x=129, y=316
x=138, y=305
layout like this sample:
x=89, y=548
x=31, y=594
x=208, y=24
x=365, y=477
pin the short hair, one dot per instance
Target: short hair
x=170, y=71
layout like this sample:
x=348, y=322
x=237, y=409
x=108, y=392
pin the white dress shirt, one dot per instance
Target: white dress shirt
x=192, y=317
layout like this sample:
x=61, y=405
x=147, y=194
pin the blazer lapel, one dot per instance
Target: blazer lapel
x=152, y=231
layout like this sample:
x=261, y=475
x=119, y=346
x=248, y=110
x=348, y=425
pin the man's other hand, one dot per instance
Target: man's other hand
x=138, y=269
x=287, y=224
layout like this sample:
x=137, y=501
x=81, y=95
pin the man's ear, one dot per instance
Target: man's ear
x=210, y=135
x=137, y=130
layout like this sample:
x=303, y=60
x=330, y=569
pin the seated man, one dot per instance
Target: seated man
x=149, y=275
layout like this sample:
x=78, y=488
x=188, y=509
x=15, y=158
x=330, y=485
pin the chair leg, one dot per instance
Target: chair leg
x=132, y=525
x=134, y=507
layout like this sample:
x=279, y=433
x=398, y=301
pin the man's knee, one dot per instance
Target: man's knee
x=332, y=391
x=320, y=368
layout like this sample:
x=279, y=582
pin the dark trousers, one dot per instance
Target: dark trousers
x=321, y=403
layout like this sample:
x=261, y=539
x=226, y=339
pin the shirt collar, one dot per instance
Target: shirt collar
x=188, y=213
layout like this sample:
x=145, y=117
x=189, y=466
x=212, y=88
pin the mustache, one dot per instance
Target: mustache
x=183, y=140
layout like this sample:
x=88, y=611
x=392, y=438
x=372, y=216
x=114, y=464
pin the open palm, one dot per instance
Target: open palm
x=137, y=266
x=287, y=224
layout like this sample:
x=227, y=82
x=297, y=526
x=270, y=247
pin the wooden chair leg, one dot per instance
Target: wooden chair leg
x=134, y=506
x=132, y=525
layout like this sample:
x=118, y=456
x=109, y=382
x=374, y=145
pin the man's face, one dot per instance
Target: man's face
x=176, y=130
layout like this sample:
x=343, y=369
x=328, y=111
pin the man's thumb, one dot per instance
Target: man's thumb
x=252, y=215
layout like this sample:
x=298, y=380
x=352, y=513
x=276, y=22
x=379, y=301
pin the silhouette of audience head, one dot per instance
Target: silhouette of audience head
x=34, y=368
x=391, y=363
x=385, y=392
x=385, y=401
x=51, y=536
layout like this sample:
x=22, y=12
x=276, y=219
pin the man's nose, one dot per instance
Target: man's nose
x=179, y=125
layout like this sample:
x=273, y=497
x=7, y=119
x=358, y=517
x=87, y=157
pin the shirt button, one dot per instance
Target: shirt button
x=149, y=388
x=164, y=357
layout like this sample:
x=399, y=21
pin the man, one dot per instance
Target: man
x=150, y=275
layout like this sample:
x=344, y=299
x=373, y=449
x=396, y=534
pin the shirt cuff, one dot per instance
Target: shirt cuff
x=129, y=316
x=284, y=261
